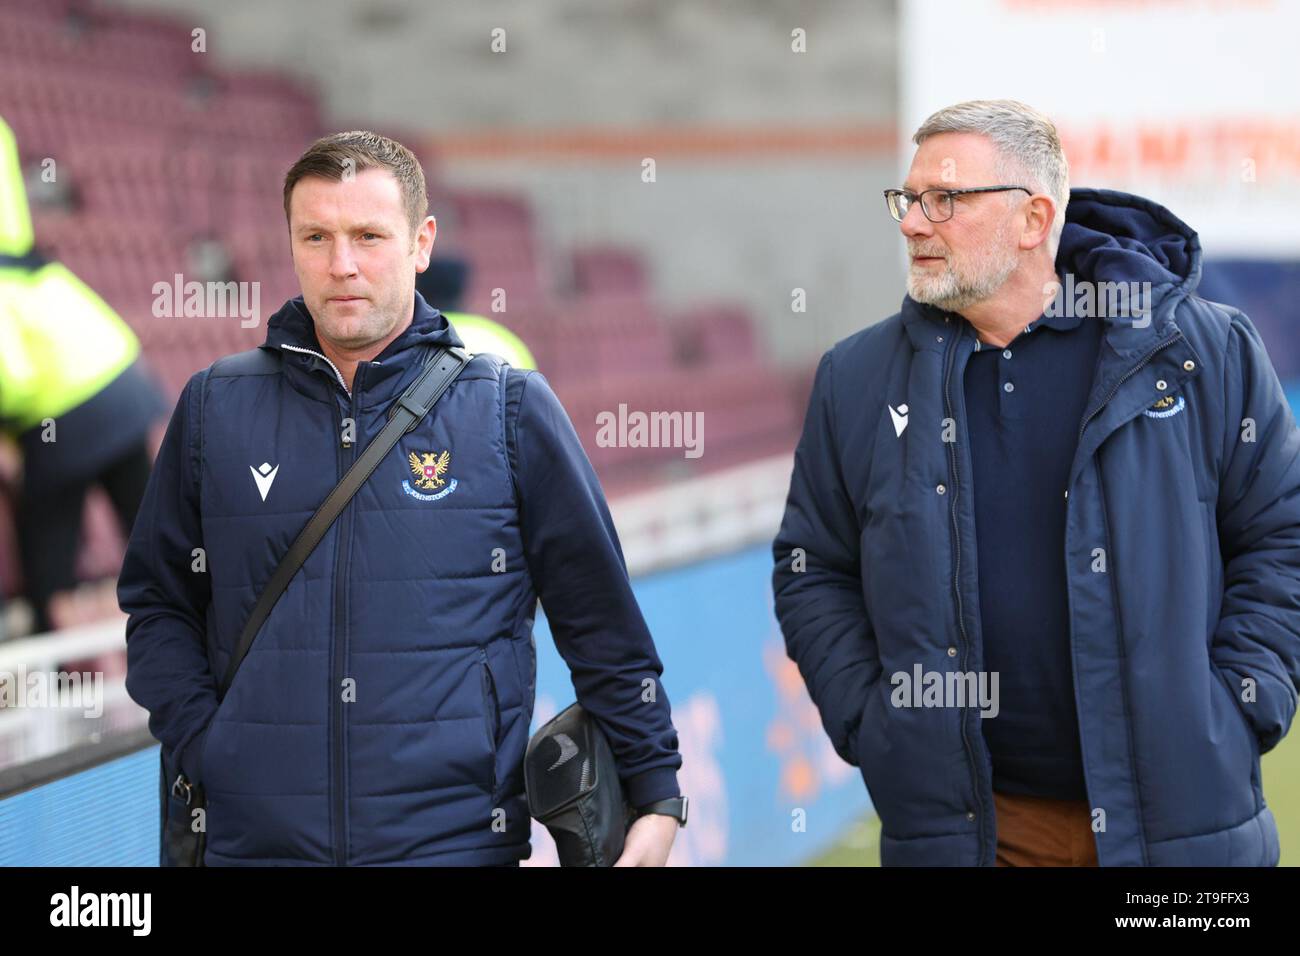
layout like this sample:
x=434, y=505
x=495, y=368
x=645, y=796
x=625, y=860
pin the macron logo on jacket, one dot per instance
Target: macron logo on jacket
x=264, y=474
x=900, y=419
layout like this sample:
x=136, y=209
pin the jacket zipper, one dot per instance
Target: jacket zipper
x=1123, y=674
x=338, y=653
x=346, y=453
x=956, y=577
x=338, y=646
x=491, y=714
x=950, y=356
x=1119, y=620
x=337, y=373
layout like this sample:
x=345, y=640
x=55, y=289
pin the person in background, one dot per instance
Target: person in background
x=442, y=285
x=74, y=396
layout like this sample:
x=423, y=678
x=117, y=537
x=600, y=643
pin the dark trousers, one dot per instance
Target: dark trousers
x=50, y=518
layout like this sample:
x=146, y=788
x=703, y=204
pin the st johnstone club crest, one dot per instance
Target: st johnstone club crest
x=427, y=471
x=1167, y=406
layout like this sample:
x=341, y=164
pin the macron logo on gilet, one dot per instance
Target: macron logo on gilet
x=264, y=474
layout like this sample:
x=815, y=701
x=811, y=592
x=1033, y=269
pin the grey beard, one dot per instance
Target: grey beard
x=950, y=293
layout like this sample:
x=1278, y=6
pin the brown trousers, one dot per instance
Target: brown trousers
x=1034, y=831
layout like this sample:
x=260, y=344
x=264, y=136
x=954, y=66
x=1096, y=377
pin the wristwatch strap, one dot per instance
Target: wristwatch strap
x=672, y=807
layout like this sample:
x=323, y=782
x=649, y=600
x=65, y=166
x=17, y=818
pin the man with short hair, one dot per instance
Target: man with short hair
x=1061, y=482
x=382, y=714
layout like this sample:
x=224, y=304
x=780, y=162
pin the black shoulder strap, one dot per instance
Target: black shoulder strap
x=406, y=413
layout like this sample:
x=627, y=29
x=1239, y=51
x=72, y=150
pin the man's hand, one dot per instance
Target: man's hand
x=649, y=841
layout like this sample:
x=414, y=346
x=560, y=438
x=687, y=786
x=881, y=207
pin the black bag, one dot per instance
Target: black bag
x=180, y=844
x=574, y=789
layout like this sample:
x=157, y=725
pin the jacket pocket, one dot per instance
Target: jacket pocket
x=491, y=712
x=1223, y=680
x=206, y=735
x=871, y=727
x=524, y=654
x=855, y=735
x=206, y=752
x=1236, y=706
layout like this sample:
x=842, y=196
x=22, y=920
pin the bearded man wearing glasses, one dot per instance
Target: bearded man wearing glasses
x=1040, y=559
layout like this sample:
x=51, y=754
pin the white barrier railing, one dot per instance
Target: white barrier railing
x=702, y=517
x=58, y=720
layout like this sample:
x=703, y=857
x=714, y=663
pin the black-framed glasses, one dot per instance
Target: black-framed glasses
x=936, y=204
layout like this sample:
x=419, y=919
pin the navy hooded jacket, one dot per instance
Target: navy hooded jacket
x=1185, y=636
x=382, y=713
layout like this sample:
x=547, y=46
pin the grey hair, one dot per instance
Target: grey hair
x=1027, y=143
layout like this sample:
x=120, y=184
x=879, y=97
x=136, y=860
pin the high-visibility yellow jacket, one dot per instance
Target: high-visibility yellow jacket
x=481, y=334
x=60, y=343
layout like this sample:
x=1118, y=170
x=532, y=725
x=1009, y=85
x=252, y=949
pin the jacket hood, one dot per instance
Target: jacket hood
x=1112, y=236
x=1109, y=236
